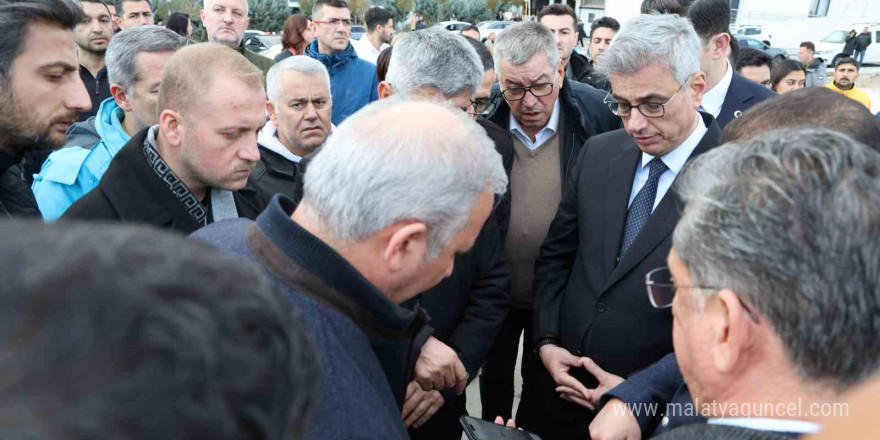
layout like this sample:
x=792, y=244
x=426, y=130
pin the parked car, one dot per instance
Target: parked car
x=830, y=47
x=492, y=27
x=265, y=45
x=775, y=53
x=454, y=26
x=357, y=31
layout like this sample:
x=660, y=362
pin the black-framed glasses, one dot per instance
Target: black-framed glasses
x=661, y=291
x=482, y=106
x=648, y=109
x=537, y=90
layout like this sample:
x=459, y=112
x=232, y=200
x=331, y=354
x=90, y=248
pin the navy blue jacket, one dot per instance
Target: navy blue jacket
x=353, y=81
x=741, y=95
x=365, y=343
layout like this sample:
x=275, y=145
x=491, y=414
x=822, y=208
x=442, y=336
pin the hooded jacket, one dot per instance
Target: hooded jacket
x=76, y=169
x=353, y=81
x=817, y=71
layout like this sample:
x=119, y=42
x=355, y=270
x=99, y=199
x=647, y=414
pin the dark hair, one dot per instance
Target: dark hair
x=100, y=2
x=16, y=15
x=119, y=3
x=469, y=28
x=604, y=22
x=178, y=22
x=559, y=9
x=382, y=63
x=291, y=36
x=847, y=60
x=734, y=49
x=483, y=52
x=676, y=7
x=816, y=106
x=749, y=57
x=376, y=16
x=809, y=45
x=783, y=69
x=319, y=4
x=710, y=17
x=132, y=333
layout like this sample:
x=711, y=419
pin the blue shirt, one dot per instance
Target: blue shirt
x=74, y=170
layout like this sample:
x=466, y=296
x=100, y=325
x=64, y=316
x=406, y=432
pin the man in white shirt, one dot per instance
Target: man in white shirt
x=380, y=28
x=729, y=94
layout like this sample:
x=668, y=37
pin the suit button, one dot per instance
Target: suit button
x=600, y=307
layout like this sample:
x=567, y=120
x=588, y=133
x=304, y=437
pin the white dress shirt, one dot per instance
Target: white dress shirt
x=674, y=161
x=543, y=136
x=713, y=99
x=768, y=424
x=366, y=50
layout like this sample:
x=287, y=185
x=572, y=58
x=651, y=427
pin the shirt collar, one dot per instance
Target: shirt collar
x=713, y=99
x=768, y=424
x=552, y=124
x=675, y=159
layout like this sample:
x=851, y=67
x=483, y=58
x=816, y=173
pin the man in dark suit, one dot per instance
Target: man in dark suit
x=729, y=94
x=615, y=220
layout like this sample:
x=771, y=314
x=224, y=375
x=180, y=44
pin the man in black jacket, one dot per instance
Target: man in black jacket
x=40, y=91
x=468, y=308
x=864, y=40
x=181, y=174
x=615, y=221
x=548, y=118
x=299, y=108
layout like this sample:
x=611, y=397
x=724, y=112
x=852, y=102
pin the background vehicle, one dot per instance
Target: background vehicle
x=830, y=47
x=265, y=45
x=357, y=31
x=454, y=26
x=490, y=27
x=775, y=53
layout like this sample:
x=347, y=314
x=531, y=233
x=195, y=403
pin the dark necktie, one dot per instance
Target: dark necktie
x=641, y=206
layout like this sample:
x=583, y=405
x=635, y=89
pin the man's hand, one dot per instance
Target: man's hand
x=500, y=421
x=420, y=405
x=615, y=422
x=558, y=361
x=606, y=380
x=438, y=368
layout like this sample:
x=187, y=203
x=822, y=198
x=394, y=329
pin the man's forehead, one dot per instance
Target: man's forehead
x=534, y=69
x=232, y=4
x=557, y=22
x=136, y=6
x=604, y=32
x=333, y=12
x=95, y=9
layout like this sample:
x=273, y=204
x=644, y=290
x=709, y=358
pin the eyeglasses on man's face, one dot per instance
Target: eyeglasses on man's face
x=661, y=290
x=537, y=90
x=482, y=106
x=648, y=109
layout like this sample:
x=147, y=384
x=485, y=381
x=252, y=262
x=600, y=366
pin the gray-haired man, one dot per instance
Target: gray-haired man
x=299, y=107
x=548, y=118
x=616, y=218
x=135, y=61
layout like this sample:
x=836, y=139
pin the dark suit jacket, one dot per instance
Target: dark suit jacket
x=741, y=95
x=586, y=301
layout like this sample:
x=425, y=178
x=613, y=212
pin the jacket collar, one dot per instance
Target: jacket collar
x=7, y=161
x=108, y=125
x=326, y=264
x=331, y=62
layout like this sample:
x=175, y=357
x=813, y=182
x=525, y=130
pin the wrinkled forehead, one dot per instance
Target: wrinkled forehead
x=537, y=69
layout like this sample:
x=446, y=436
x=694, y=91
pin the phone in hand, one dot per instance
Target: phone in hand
x=478, y=429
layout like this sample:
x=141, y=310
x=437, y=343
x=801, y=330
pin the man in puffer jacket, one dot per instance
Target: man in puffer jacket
x=353, y=81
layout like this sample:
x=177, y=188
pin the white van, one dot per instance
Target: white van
x=830, y=47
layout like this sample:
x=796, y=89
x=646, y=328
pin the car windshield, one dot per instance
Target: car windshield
x=270, y=40
x=836, y=37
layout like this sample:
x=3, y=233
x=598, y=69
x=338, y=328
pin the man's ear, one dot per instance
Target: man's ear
x=122, y=99
x=733, y=331
x=118, y=22
x=407, y=240
x=698, y=88
x=720, y=44
x=172, y=127
x=384, y=90
x=270, y=109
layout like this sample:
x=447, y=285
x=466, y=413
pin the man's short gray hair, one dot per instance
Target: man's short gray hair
x=653, y=39
x=390, y=161
x=520, y=42
x=121, y=57
x=790, y=222
x=300, y=64
x=434, y=58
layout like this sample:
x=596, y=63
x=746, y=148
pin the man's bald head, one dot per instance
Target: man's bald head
x=190, y=73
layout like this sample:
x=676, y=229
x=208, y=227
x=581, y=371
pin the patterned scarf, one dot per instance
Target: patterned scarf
x=177, y=187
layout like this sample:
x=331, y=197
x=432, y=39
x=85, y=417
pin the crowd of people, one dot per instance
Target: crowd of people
x=201, y=242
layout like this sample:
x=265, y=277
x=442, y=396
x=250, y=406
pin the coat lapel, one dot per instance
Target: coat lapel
x=738, y=95
x=617, y=189
x=662, y=221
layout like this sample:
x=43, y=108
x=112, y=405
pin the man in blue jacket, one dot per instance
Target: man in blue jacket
x=353, y=81
x=135, y=60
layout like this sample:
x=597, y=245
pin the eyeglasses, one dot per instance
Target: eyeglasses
x=648, y=109
x=661, y=290
x=482, y=106
x=537, y=90
x=334, y=22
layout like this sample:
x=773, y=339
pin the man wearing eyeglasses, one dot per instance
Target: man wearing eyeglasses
x=353, y=80
x=548, y=118
x=616, y=218
x=467, y=308
x=225, y=21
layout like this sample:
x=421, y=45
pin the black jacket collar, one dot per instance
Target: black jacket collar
x=8, y=160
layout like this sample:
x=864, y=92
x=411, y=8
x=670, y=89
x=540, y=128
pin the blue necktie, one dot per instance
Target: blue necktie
x=642, y=205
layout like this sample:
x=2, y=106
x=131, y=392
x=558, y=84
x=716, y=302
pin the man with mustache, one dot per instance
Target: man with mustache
x=846, y=72
x=184, y=172
x=225, y=21
x=40, y=93
x=92, y=36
